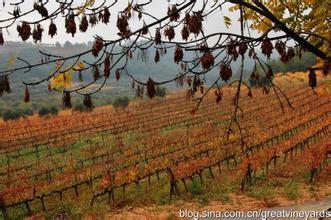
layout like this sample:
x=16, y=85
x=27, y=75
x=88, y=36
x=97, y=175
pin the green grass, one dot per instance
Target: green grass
x=195, y=187
x=291, y=190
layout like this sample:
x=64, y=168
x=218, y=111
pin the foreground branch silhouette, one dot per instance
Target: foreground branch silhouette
x=185, y=18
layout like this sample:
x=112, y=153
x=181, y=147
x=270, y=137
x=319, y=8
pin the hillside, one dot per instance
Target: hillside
x=41, y=97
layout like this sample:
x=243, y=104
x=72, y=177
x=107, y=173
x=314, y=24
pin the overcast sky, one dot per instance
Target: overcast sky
x=158, y=8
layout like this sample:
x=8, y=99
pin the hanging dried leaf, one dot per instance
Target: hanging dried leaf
x=194, y=23
x=83, y=24
x=157, y=56
x=232, y=50
x=290, y=53
x=117, y=74
x=100, y=16
x=173, y=13
x=4, y=85
x=219, y=95
x=267, y=47
x=106, y=15
x=280, y=47
x=242, y=48
x=70, y=24
x=24, y=31
x=93, y=20
x=144, y=31
x=185, y=33
x=42, y=10
x=169, y=33
x=151, y=88
x=284, y=58
x=178, y=56
x=196, y=83
x=37, y=33
x=157, y=37
x=123, y=25
x=207, y=60
x=26, y=95
x=252, y=53
x=97, y=46
x=52, y=30
x=106, y=70
x=140, y=92
x=225, y=72
x=17, y=11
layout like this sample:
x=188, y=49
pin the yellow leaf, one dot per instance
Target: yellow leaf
x=263, y=25
x=79, y=66
x=62, y=81
x=11, y=61
x=81, y=10
x=227, y=20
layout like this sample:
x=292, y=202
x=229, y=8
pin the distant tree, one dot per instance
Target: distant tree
x=11, y=115
x=80, y=108
x=68, y=44
x=57, y=44
x=161, y=91
x=54, y=110
x=44, y=111
x=80, y=45
x=121, y=102
x=2, y=110
x=261, y=81
x=27, y=112
x=296, y=64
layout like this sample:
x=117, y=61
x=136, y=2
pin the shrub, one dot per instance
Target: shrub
x=80, y=108
x=161, y=92
x=2, y=110
x=54, y=110
x=11, y=115
x=44, y=111
x=27, y=112
x=195, y=187
x=121, y=102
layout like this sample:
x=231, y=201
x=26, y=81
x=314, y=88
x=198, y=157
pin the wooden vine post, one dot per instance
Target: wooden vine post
x=173, y=184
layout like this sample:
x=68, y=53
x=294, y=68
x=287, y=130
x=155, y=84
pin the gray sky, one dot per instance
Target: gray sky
x=158, y=8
